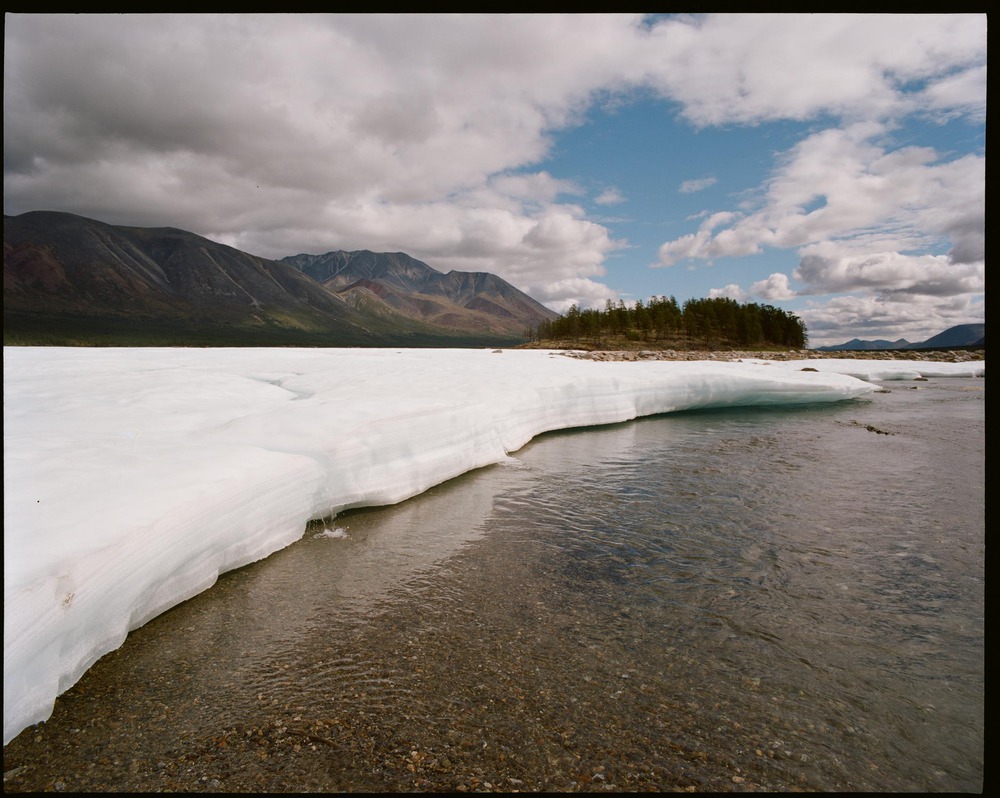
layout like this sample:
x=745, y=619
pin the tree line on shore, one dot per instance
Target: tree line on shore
x=717, y=322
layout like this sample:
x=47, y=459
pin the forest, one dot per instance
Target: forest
x=716, y=323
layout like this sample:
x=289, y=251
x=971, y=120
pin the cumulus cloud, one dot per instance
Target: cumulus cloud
x=774, y=288
x=879, y=296
x=705, y=244
x=930, y=275
x=751, y=68
x=731, y=291
x=840, y=185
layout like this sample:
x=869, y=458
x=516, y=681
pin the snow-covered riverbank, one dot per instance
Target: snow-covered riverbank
x=133, y=477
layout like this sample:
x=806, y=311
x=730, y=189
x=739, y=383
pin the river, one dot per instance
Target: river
x=747, y=600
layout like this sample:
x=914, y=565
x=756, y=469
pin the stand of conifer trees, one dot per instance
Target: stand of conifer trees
x=716, y=322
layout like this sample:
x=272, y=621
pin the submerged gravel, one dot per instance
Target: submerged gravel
x=471, y=684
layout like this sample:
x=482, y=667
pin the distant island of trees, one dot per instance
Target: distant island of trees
x=716, y=323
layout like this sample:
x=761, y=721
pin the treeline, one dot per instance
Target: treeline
x=715, y=322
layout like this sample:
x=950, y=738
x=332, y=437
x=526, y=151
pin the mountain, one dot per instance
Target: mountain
x=69, y=279
x=960, y=335
x=472, y=301
x=856, y=344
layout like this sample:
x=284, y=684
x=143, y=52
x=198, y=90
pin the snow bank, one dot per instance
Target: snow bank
x=134, y=477
x=884, y=370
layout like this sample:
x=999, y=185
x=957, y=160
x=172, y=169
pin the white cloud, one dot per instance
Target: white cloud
x=839, y=186
x=930, y=275
x=749, y=68
x=611, y=196
x=893, y=296
x=699, y=244
x=537, y=187
x=959, y=94
x=731, y=291
x=774, y=288
x=582, y=292
x=690, y=186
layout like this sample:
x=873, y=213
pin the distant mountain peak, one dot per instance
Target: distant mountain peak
x=959, y=335
x=473, y=301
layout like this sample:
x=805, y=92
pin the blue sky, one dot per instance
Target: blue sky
x=659, y=174
x=832, y=165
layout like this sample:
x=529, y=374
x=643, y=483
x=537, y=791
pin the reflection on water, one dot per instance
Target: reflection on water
x=373, y=551
x=749, y=599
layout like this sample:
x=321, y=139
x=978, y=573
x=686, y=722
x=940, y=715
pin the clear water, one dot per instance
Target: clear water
x=749, y=599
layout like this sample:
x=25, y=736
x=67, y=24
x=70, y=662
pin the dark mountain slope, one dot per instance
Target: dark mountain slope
x=87, y=267
x=959, y=335
x=68, y=279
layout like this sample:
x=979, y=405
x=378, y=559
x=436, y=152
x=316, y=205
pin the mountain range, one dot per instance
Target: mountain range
x=69, y=279
x=393, y=282
x=959, y=335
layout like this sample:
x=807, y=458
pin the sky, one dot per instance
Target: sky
x=830, y=165
x=133, y=477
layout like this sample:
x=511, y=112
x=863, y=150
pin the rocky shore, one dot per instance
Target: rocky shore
x=939, y=356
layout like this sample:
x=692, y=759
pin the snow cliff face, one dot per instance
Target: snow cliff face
x=133, y=477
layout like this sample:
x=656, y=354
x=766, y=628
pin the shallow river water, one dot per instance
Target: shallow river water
x=766, y=599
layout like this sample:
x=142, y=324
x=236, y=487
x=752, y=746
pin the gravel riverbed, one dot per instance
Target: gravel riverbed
x=467, y=685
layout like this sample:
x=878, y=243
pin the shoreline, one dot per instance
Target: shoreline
x=930, y=356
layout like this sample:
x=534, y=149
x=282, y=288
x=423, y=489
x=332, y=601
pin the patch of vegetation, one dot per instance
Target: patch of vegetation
x=662, y=324
x=32, y=329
